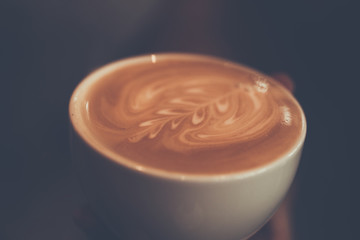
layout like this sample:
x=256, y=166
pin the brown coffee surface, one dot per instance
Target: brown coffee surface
x=192, y=115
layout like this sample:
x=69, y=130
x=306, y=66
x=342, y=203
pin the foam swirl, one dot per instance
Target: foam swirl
x=206, y=115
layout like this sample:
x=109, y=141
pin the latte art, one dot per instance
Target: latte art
x=195, y=115
x=199, y=113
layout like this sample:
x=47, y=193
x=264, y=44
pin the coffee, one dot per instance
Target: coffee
x=189, y=114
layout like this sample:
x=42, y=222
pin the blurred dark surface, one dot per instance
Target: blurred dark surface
x=47, y=47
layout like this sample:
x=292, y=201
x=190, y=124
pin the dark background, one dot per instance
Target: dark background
x=48, y=46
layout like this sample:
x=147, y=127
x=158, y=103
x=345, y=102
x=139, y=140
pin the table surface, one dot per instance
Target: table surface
x=49, y=214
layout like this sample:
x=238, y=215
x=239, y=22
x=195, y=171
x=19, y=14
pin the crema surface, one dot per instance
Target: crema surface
x=192, y=115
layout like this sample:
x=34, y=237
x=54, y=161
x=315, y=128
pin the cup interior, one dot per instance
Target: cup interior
x=77, y=114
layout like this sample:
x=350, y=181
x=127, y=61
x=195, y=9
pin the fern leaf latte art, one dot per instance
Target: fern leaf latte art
x=191, y=114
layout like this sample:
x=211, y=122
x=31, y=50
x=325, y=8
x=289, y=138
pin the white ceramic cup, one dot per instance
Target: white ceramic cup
x=162, y=205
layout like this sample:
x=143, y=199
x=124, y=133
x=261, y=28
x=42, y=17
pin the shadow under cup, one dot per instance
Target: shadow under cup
x=162, y=205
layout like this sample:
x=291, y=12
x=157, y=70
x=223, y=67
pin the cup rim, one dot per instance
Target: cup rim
x=76, y=120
